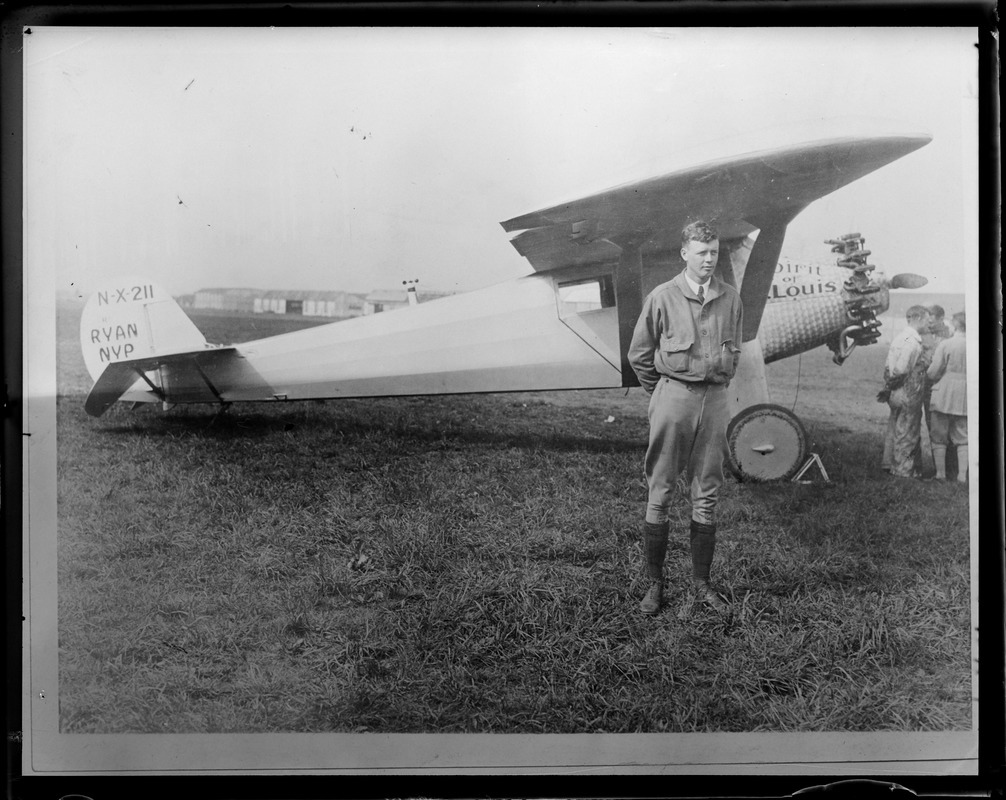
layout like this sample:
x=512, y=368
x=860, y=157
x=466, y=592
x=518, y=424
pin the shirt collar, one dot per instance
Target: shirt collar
x=695, y=286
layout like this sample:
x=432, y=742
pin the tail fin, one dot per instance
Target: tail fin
x=130, y=319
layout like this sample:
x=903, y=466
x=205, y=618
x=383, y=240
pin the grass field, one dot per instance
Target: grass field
x=473, y=564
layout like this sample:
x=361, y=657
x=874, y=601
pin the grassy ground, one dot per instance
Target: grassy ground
x=472, y=564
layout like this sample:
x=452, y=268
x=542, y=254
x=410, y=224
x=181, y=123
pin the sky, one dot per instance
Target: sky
x=355, y=159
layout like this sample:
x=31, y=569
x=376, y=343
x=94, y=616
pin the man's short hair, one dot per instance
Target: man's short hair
x=916, y=312
x=698, y=231
x=937, y=311
x=960, y=320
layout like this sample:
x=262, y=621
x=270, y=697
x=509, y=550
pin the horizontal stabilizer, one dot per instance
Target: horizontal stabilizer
x=121, y=376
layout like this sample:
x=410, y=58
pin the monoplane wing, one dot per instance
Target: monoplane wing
x=194, y=376
x=763, y=190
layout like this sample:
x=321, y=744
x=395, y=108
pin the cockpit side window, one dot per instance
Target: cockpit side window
x=587, y=294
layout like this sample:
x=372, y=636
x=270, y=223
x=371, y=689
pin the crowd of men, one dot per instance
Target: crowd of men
x=925, y=377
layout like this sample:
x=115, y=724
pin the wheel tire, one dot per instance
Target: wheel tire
x=766, y=442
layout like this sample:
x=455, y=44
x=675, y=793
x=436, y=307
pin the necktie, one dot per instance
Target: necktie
x=702, y=294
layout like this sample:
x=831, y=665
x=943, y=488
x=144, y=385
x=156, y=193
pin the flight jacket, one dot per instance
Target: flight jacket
x=677, y=338
x=949, y=374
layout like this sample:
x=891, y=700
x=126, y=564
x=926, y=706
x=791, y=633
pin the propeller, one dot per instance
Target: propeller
x=908, y=280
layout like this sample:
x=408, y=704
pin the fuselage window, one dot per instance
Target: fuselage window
x=591, y=294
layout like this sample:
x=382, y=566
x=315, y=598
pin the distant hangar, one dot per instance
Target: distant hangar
x=334, y=304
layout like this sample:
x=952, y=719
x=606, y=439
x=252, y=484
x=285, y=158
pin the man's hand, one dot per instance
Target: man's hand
x=894, y=382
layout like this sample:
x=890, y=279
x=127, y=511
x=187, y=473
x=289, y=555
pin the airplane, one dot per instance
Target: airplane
x=567, y=324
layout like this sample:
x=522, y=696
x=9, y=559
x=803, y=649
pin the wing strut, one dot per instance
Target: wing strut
x=629, y=301
x=760, y=269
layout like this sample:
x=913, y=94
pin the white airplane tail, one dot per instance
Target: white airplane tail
x=130, y=319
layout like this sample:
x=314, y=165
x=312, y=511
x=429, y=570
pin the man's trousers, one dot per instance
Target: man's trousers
x=949, y=429
x=902, y=436
x=688, y=431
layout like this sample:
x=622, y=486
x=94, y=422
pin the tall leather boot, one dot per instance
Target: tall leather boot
x=654, y=551
x=940, y=459
x=703, y=544
x=962, y=464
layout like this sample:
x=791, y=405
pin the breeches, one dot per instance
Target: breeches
x=949, y=429
x=688, y=431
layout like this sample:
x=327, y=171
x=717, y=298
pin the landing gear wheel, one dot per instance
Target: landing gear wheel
x=766, y=443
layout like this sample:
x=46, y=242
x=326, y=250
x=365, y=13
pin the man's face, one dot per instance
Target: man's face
x=700, y=259
x=922, y=323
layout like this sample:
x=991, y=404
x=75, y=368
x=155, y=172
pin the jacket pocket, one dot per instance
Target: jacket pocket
x=729, y=352
x=674, y=350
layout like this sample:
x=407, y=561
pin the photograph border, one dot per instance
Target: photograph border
x=48, y=752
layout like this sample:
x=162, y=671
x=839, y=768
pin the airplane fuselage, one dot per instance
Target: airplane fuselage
x=550, y=331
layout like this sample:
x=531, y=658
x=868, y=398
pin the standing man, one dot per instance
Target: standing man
x=684, y=351
x=949, y=376
x=936, y=332
x=937, y=324
x=904, y=379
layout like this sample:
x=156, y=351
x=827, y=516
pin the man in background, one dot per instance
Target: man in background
x=904, y=381
x=949, y=376
x=935, y=333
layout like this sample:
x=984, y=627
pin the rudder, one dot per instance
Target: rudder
x=129, y=319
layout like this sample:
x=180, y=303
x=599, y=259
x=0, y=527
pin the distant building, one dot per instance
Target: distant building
x=381, y=300
x=309, y=304
x=333, y=304
x=279, y=301
x=225, y=299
